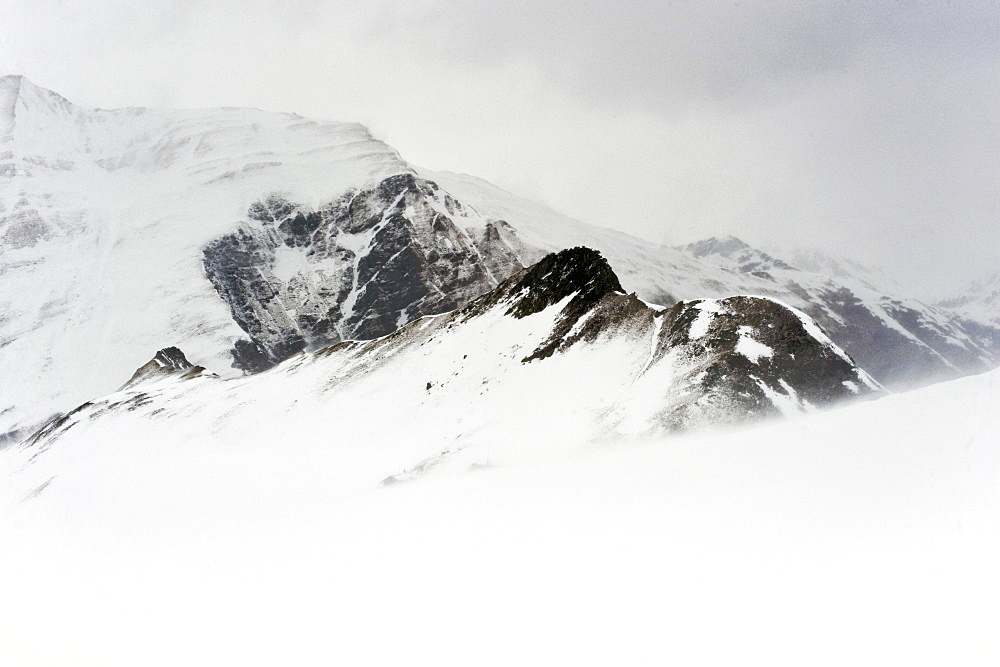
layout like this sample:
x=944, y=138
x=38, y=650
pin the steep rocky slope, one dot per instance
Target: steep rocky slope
x=358, y=267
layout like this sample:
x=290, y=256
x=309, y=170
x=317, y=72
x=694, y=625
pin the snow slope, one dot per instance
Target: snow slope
x=861, y=535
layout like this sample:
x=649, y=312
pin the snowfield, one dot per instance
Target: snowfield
x=861, y=535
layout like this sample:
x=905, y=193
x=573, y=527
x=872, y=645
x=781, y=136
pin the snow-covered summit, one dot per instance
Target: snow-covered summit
x=733, y=253
x=19, y=94
x=979, y=300
x=22, y=102
x=104, y=215
x=46, y=129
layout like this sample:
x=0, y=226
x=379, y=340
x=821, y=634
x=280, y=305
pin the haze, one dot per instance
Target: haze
x=870, y=130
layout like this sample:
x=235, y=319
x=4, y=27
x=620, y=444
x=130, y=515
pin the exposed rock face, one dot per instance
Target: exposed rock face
x=580, y=273
x=754, y=356
x=746, y=258
x=357, y=268
x=372, y=260
x=903, y=342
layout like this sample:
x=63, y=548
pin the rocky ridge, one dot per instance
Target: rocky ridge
x=556, y=345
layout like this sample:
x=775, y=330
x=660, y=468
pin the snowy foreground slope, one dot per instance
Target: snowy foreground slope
x=243, y=237
x=863, y=535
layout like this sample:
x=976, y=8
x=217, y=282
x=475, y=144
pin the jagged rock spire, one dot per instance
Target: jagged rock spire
x=168, y=361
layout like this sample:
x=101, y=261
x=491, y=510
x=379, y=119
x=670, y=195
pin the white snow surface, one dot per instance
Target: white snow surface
x=707, y=310
x=751, y=348
x=862, y=535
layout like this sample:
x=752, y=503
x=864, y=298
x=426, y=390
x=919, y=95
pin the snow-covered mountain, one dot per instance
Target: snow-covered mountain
x=104, y=219
x=900, y=341
x=555, y=356
x=243, y=236
x=979, y=301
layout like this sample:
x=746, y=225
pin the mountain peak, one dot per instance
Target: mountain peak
x=168, y=361
x=17, y=88
x=25, y=87
x=581, y=271
x=172, y=358
x=735, y=253
x=725, y=246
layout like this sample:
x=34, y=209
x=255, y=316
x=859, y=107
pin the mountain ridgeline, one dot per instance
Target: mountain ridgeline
x=556, y=348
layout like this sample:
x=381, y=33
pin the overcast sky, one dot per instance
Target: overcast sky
x=871, y=129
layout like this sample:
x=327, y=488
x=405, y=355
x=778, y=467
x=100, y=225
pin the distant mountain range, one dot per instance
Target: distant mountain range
x=979, y=300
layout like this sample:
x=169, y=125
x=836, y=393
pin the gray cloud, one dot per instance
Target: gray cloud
x=660, y=56
x=870, y=128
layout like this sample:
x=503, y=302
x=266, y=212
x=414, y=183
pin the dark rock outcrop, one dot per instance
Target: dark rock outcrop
x=168, y=361
x=357, y=268
x=581, y=273
x=578, y=272
x=753, y=350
